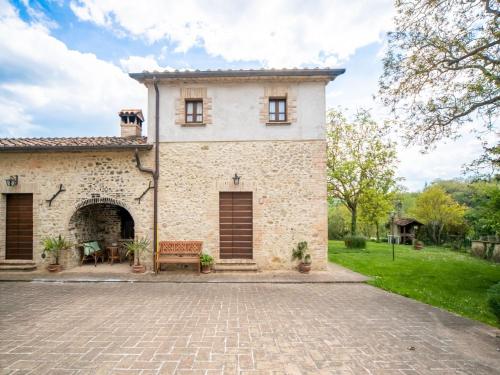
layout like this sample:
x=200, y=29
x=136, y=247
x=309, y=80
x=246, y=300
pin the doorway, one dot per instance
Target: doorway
x=19, y=227
x=236, y=225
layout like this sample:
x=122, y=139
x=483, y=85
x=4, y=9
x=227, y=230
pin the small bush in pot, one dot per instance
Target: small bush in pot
x=355, y=242
x=301, y=253
x=494, y=300
x=54, y=246
x=206, y=261
x=137, y=247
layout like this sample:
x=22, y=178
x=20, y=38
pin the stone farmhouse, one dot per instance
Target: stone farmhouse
x=233, y=158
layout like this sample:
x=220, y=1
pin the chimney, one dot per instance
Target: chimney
x=131, y=123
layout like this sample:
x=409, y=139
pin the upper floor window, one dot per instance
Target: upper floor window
x=194, y=111
x=277, y=109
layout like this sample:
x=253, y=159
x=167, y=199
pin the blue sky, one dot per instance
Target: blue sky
x=64, y=64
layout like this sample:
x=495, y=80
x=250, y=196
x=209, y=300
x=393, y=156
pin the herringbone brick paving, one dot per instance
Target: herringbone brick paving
x=119, y=328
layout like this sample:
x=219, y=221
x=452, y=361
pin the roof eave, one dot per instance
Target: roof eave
x=326, y=74
x=28, y=149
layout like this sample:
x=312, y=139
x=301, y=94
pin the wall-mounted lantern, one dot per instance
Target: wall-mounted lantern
x=12, y=180
x=236, y=179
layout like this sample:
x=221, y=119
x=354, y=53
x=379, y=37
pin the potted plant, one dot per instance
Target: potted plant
x=54, y=246
x=301, y=253
x=418, y=245
x=206, y=261
x=136, y=248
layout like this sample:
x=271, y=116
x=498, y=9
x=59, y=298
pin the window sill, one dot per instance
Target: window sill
x=193, y=124
x=278, y=123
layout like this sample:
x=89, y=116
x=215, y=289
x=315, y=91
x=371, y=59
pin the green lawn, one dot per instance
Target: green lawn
x=441, y=277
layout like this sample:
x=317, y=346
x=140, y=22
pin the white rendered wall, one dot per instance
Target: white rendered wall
x=235, y=113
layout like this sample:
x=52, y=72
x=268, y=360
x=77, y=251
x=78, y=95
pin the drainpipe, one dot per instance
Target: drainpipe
x=154, y=172
x=156, y=175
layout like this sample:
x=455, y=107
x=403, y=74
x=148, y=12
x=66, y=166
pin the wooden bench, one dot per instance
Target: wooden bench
x=179, y=252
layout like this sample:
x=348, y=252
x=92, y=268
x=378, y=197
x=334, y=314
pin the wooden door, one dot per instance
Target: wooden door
x=236, y=225
x=19, y=227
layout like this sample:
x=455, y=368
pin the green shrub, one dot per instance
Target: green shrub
x=494, y=300
x=301, y=251
x=206, y=259
x=355, y=242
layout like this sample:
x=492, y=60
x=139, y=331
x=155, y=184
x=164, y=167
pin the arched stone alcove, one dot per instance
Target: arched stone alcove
x=105, y=220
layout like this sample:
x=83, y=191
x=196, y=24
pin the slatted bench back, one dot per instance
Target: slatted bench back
x=180, y=247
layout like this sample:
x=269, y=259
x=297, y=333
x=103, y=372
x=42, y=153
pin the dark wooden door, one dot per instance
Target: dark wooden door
x=19, y=227
x=236, y=225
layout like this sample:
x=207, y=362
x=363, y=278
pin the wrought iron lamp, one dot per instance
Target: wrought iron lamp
x=236, y=179
x=12, y=180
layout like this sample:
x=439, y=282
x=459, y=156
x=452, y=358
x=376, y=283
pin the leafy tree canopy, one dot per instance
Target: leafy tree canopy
x=484, y=215
x=460, y=190
x=437, y=209
x=407, y=200
x=442, y=67
x=360, y=160
x=375, y=207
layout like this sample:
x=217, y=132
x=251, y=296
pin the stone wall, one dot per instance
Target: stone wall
x=101, y=176
x=287, y=178
x=288, y=181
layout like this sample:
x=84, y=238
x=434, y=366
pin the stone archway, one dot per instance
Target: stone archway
x=101, y=200
x=106, y=220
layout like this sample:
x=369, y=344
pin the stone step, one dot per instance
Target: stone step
x=17, y=265
x=235, y=266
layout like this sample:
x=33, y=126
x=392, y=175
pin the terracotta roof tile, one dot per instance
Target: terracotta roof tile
x=403, y=221
x=71, y=144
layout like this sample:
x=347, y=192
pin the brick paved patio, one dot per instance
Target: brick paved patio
x=140, y=328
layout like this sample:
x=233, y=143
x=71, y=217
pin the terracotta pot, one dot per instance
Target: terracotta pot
x=54, y=267
x=418, y=246
x=206, y=268
x=138, y=268
x=304, y=268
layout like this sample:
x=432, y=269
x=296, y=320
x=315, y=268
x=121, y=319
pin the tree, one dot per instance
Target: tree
x=462, y=191
x=338, y=221
x=484, y=216
x=375, y=207
x=438, y=210
x=360, y=161
x=442, y=67
x=407, y=200
x=487, y=166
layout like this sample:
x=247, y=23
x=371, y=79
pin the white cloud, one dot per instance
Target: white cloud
x=15, y=122
x=47, y=77
x=278, y=33
x=140, y=63
x=444, y=162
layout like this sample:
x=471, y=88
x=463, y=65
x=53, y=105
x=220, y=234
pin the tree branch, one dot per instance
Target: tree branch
x=471, y=109
x=489, y=9
x=473, y=52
